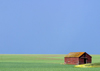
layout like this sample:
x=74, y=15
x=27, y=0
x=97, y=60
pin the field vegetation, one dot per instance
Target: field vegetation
x=40, y=62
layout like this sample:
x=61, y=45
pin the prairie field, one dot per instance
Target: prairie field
x=40, y=62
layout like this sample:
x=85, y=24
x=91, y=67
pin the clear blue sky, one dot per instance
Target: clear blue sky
x=49, y=26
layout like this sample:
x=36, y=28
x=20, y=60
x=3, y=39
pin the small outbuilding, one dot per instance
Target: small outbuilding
x=76, y=58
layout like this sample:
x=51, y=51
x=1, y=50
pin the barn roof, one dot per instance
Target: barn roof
x=74, y=54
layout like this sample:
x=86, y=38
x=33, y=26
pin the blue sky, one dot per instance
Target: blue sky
x=49, y=26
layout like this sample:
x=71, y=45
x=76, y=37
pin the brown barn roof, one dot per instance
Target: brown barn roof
x=74, y=54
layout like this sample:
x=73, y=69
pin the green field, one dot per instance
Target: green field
x=40, y=62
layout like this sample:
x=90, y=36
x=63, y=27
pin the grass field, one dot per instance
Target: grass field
x=40, y=62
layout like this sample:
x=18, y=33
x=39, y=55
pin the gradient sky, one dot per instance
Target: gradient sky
x=49, y=26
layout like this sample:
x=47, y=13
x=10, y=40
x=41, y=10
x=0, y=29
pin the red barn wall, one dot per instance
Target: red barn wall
x=88, y=58
x=72, y=60
x=81, y=59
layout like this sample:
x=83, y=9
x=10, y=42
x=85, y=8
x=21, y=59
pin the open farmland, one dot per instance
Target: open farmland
x=40, y=62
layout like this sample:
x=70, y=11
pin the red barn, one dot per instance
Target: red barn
x=76, y=58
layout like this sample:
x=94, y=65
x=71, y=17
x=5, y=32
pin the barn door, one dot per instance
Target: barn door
x=84, y=60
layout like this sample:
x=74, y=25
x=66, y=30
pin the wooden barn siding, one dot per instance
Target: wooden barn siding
x=72, y=60
x=81, y=60
x=88, y=58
